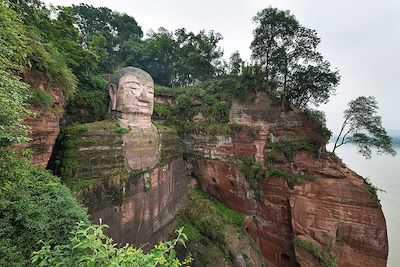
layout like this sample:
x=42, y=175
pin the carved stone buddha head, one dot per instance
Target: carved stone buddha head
x=132, y=97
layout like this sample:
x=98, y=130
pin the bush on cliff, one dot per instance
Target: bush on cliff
x=34, y=206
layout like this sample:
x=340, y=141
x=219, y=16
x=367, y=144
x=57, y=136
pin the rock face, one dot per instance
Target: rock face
x=311, y=210
x=139, y=206
x=45, y=123
x=132, y=97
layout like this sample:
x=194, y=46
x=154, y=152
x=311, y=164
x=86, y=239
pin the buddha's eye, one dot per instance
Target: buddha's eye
x=132, y=85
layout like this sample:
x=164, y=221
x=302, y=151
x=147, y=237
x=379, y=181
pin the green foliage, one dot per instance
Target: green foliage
x=162, y=111
x=213, y=104
x=290, y=177
x=207, y=231
x=235, y=63
x=292, y=67
x=319, y=117
x=189, y=229
x=89, y=246
x=123, y=130
x=255, y=172
x=210, y=224
x=183, y=58
x=14, y=50
x=41, y=98
x=184, y=108
x=204, y=127
x=230, y=216
x=87, y=105
x=289, y=147
x=363, y=127
x=176, y=91
x=324, y=257
x=34, y=206
x=47, y=59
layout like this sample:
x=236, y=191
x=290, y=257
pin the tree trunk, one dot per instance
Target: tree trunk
x=284, y=91
x=340, y=134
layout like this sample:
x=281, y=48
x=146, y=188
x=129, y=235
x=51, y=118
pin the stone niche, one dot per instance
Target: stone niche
x=138, y=205
x=127, y=171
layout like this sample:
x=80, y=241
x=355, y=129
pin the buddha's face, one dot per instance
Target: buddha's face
x=135, y=96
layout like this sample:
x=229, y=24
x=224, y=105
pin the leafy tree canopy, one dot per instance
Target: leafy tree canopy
x=292, y=66
x=362, y=126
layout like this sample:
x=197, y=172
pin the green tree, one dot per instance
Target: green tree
x=235, y=63
x=184, y=107
x=200, y=56
x=362, y=127
x=160, y=56
x=293, y=67
x=181, y=58
x=116, y=29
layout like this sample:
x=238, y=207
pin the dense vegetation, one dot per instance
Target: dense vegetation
x=208, y=232
x=34, y=205
x=89, y=246
x=76, y=48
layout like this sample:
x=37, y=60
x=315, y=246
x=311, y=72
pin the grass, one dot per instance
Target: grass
x=208, y=128
x=210, y=224
x=230, y=216
x=159, y=89
x=207, y=222
x=255, y=172
x=288, y=147
x=41, y=98
x=324, y=257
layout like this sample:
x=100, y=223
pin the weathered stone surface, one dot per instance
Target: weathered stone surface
x=139, y=206
x=142, y=148
x=139, y=213
x=343, y=212
x=45, y=123
x=335, y=212
x=132, y=97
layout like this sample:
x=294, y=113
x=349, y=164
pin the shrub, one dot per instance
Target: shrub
x=324, y=257
x=41, y=98
x=87, y=106
x=162, y=111
x=288, y=147
x=319, y=118
x=254, y=172
x=34, y=206
x=89, y=246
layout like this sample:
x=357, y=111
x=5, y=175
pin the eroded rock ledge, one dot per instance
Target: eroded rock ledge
x=302, y=205
x=140, y=205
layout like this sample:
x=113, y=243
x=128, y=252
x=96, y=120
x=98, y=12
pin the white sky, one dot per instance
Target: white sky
x=359, y=37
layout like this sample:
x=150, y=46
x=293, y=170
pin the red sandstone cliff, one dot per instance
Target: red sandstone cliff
x=307, y=222
x=45, y=122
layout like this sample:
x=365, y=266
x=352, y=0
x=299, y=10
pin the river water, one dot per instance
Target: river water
x=384, y=172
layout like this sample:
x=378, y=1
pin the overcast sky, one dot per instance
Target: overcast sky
x=361, y=38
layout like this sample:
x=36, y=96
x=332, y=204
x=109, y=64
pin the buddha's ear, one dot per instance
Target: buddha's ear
x=112, y=90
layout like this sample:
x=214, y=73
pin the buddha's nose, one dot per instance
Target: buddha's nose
x=144, y=96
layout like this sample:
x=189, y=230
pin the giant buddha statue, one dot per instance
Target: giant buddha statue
x=132, y=100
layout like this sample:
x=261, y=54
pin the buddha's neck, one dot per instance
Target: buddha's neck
x=134, y=120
